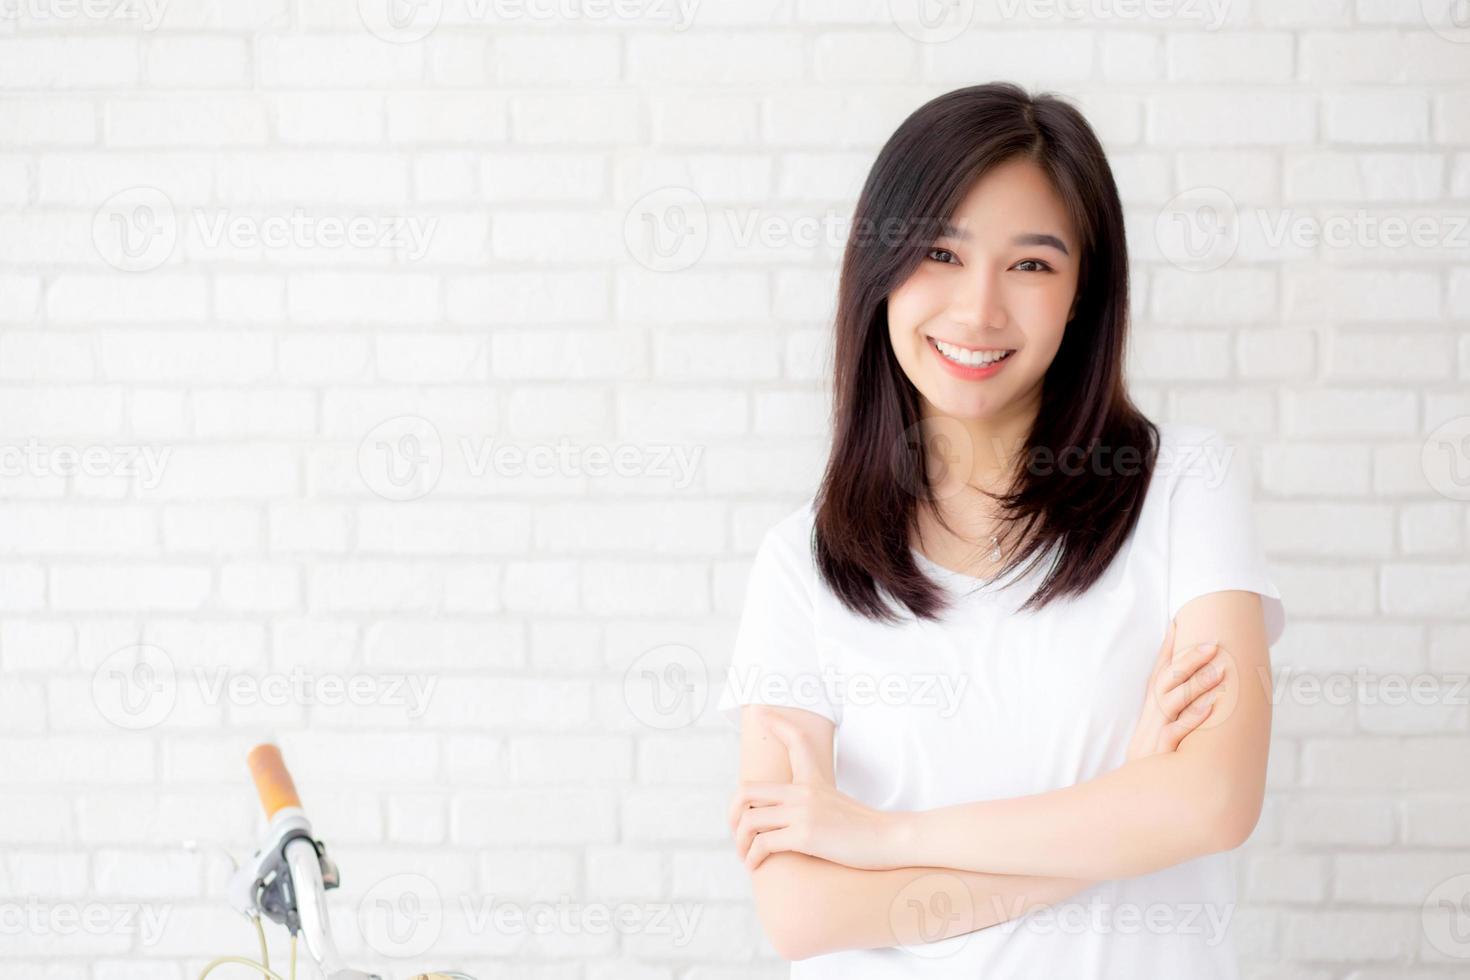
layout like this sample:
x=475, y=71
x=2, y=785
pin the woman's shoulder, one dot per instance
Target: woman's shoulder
x=791, y=534
x=1188, y=451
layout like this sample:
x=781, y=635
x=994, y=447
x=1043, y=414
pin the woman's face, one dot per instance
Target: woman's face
x=977, y=323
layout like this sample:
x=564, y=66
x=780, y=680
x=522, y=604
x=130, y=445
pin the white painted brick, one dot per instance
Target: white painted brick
x=630, y=588
x=1254, y=56
x=126, y=298
x=1425, y=589
x=864, y=58
x=529, y=297
x=440, y=117
x=1292, y=879
x=692, y=296
x=582, y=759
x=1376, y=358
x=192, y=121
x=326, y=118
x=528, y=59
x=335, y=61
x=1336, y=820
x=77, y=62
x=704, y=120
x=1451, y=119
x=346, y=299
x=299, y=177
x=1436, y=821
x=431, y=358
x=626, y=871
x=1276, y=354
x=537, y=176
x=550, y=119
x=20, y=297
x=1316, y=529
x=679, y=413
x=1225, y=296
x=1026, y=57
x=1342, y=176
x=1432, y=528
x=30, y=121
x=533, y=816
x=1339, y=589
x=1168, y=354
x=197, y=61
x=1390, y=879
x=1245, y=118
x=1131, y=56
x=86, y=180
x=1376, y=117
x=674, y=59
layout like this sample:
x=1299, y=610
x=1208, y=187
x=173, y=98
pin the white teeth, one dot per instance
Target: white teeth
x=970, y=358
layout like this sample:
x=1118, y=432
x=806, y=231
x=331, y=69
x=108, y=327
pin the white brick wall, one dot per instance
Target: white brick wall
x=434, y=510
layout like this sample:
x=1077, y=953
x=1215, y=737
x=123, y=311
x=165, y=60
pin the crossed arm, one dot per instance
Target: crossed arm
x=830, y=874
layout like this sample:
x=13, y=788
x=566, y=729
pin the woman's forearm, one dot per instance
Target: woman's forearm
x=1146, y=815
x=810, y=906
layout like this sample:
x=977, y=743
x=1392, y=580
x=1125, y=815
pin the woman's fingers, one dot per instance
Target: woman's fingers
x=1189, y=719
x=757, y=795
x=1206, y=676
x=767, y=844
x=758, y=820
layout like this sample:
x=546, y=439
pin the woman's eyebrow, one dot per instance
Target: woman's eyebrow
x=1025, y=238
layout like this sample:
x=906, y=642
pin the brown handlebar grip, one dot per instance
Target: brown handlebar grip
x=272, y=780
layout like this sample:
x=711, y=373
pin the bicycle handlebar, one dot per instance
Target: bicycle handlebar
x=272, y=779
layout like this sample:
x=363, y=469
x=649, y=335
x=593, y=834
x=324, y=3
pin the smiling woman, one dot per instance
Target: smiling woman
x=996, y=514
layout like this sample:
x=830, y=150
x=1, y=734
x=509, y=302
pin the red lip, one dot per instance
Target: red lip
x=966, y=373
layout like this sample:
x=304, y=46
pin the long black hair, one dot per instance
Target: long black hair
x=878, y=475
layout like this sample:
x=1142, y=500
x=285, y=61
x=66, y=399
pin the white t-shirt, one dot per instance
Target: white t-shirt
x=993, y=703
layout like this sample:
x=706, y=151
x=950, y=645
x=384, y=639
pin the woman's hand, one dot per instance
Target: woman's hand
x=809, y=815
x=1181, y=695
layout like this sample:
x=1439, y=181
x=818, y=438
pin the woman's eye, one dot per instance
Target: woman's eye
x=1036, y=265
x=941, y=251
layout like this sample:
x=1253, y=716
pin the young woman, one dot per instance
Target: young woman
x=973, y=672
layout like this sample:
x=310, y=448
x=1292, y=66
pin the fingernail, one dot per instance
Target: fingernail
x=1209, y=647
x=1209, y=699
x=1212, y=671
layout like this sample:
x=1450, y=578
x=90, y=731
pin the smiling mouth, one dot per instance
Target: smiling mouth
x=971, y=356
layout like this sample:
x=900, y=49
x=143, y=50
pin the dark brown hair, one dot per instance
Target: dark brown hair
x=878, y=474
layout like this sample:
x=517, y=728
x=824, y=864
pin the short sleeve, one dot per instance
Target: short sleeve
x=775, y=659
x=1213, y=544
